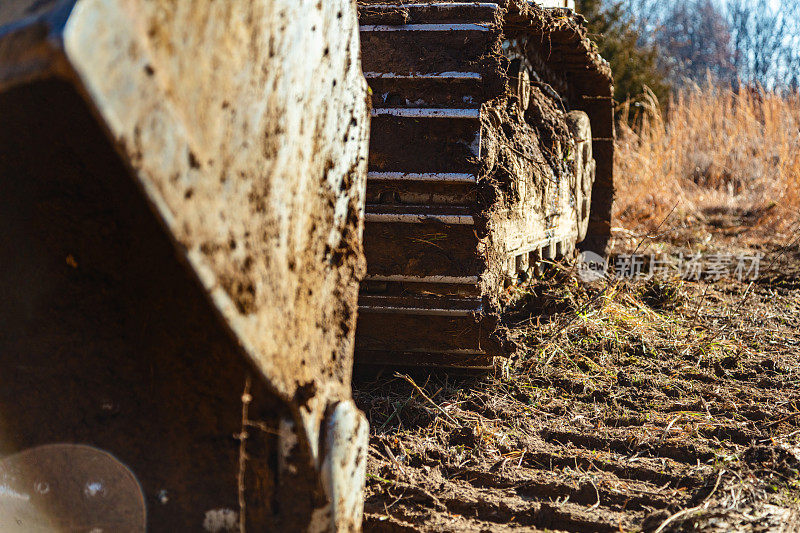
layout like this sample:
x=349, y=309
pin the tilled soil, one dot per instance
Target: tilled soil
x=648, y=405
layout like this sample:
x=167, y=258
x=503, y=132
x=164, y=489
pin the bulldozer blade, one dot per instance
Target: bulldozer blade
x=181, y=210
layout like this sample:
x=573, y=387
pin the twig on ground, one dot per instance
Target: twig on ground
x=597, y=504
x=666, y=430
x=783, y=419
x=702, y=505
x=394, y=459
x=422, y=393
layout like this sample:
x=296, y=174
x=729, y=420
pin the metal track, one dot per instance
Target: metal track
x=421, y=303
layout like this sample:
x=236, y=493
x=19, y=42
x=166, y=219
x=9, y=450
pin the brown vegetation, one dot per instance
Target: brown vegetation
x=714, y=151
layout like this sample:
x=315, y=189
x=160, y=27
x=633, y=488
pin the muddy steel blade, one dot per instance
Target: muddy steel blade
x=178, y=269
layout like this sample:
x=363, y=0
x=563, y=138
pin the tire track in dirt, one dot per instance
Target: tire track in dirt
x=616, y=446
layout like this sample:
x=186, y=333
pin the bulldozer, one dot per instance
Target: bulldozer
x=491, y=154
x=181, y=210
x=185, y=186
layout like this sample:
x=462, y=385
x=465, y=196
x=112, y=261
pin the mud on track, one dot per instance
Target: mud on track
x=623, y=407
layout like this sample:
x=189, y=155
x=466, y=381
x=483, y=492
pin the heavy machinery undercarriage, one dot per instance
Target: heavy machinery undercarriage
x=491, y=151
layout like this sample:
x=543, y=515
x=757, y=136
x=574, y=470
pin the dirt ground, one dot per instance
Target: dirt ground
x=649, y=405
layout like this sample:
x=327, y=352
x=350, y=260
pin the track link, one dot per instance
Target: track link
x=421, y=303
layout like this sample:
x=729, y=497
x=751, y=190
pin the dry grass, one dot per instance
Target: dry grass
x=597, y=329
x=714, y=151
